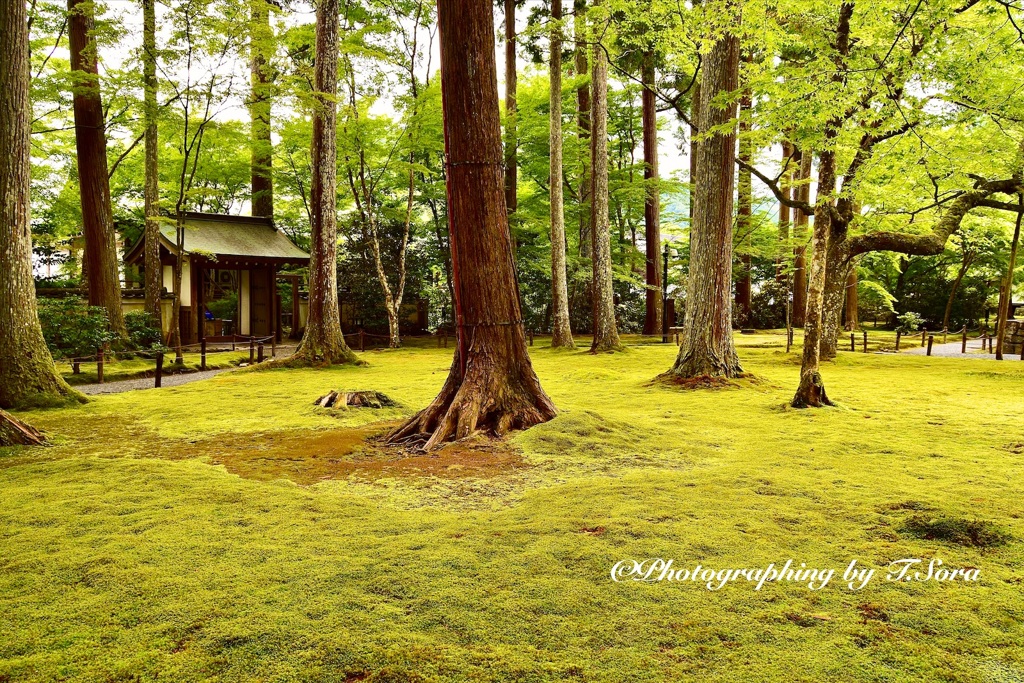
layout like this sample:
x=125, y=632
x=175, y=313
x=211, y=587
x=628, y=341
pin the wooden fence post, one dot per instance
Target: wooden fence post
x=259, y=357
x=853, y=342
x=931, y=338
x=159, y=368
x=99, y=365
x=202, y=351
x=923, y=333
x=945, y=331
x=898, y=335
x=531, y=337
x=362, y=340
x=865, y=332
x=963, y=341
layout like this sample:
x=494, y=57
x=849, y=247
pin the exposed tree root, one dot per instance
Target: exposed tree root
x=706, y=365
x=14, y=432
x=490, y=400
x=811, y=393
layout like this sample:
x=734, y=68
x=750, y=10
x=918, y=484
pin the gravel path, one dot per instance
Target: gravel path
x=951, y=350
x=147, y=382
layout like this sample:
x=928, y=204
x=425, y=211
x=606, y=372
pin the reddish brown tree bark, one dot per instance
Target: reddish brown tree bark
x=707, y=347
x=852, y=321
x=27, y=373
x=104, y=282
x=652, y=203
x=491, y=386
x=784, y=215
x=14, y=432
x=323, y=341
x=803, y=194
x=511, y=136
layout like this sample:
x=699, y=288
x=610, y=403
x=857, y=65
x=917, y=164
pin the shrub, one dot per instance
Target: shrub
x=143, y=332
x=72, y=329
x=909, y=322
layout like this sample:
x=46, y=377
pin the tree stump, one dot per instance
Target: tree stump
x=356, y=399
x=14, y=432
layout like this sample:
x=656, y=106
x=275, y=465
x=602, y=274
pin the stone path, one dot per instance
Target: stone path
x=951, y=349
x=147, y=382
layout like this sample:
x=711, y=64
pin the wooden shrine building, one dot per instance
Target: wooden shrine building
x=230, y=264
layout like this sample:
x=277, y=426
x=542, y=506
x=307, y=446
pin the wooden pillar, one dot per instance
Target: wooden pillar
x=199, y=296
x=296, y=307
x=275, y=306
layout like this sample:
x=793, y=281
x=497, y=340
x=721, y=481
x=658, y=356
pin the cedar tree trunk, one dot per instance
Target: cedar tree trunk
x=151, y=191
x=491, y=386
x=652, y=202
x=511, y=137
x=707, y=346
x=561, y=332
x=262, y=152
x=803, y=193
x=606, y=336
x=104, y=283
x=27, y=373
x=784, y=215
x=323, y=341
x=852, y=321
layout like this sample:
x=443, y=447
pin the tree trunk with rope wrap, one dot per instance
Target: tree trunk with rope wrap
x=491, y=386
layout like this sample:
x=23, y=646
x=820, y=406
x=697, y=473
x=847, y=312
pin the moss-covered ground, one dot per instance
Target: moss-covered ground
x=229, y=530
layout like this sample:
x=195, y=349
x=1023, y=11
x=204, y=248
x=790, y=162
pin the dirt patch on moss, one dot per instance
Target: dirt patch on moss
x=310, y=456
x=966, y=532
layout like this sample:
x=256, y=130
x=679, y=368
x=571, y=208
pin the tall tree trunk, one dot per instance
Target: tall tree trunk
x=803, y=193
x=491, y=386
x=694, y=133
x=323, y=341
x=707, y=348
x=965, y=264
x=852, y=320
x=811, y=391
x=91, y=140
x=840, y=262
x=261, y=48
x=27, y=374
x=1007, y=298
x=652, y=202
x=606, y=336
x=583, y=123
x=781, y=274
x=151, y=190
x=743, y=216
x=561, y=332
x=511, y=136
